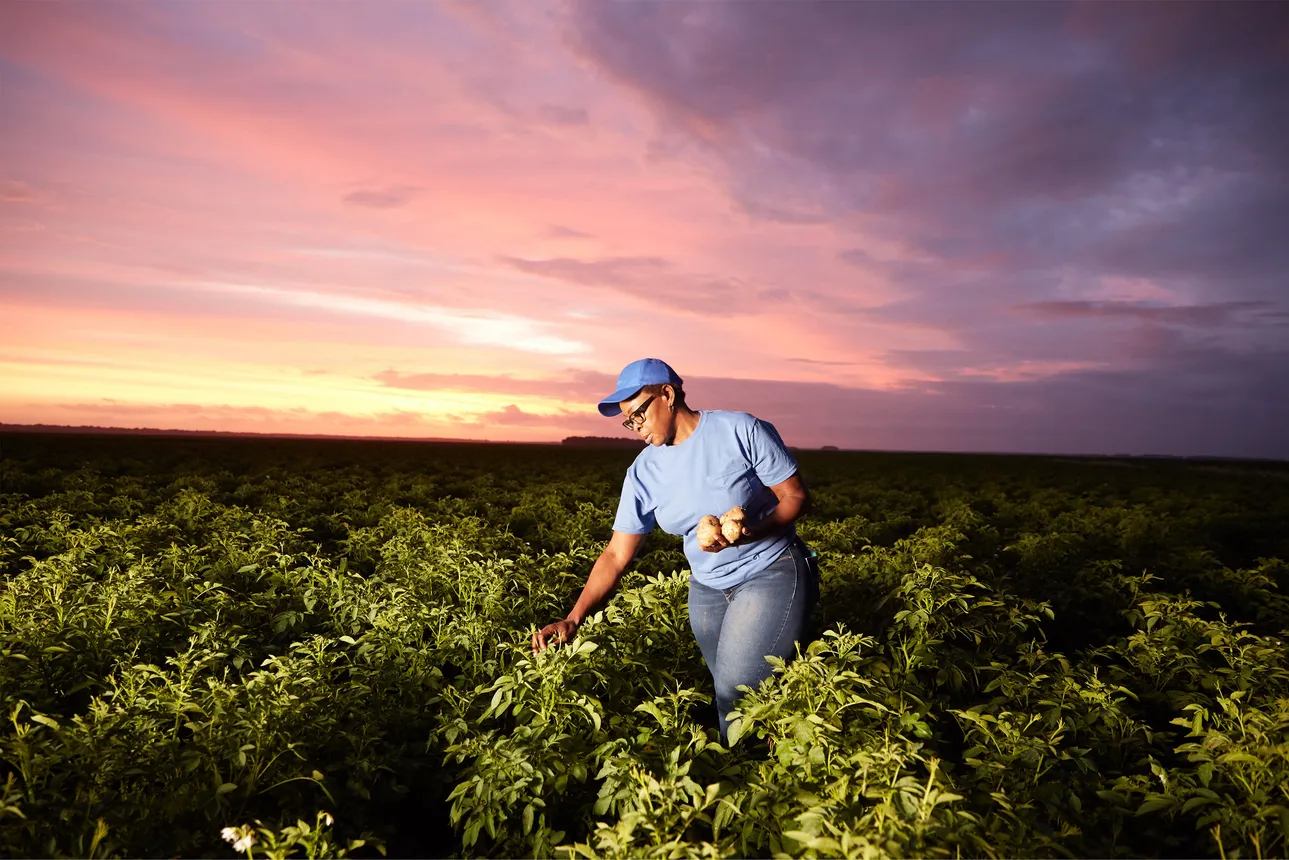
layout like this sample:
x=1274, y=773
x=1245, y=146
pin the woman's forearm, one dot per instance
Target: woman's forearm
x=789, y=510
x=605, y=575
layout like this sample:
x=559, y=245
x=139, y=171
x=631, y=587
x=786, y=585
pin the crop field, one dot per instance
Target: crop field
x=317, y=648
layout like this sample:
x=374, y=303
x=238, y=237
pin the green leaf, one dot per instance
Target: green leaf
x=1237, y=756
x=652, y=710
x=1155, y=804
x=1195, y=803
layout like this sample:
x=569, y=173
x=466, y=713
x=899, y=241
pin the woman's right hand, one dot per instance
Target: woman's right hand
x=604, y=577
x=559, y=633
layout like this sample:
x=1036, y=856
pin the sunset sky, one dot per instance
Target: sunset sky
x=1011, y=227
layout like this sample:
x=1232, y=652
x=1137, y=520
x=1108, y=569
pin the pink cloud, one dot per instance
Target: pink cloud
x=507, y=424
x=575, y=385
x=13, y=191
x=508, y=419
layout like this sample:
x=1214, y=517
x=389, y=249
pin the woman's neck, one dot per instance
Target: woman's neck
x=686, y=423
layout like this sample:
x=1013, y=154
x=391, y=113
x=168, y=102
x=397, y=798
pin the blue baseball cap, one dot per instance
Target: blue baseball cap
x=635, y=376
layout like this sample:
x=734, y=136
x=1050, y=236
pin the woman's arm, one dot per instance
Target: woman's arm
x=794, y=503
x=605, y=576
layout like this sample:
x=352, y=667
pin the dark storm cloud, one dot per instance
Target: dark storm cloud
x=1024, y=154
x=1143, y=139
x=1201, y=316
x=1216, y=403
x=1047, y=167
x=1229, y=241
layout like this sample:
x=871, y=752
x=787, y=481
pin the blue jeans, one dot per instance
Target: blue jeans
x=737, y=628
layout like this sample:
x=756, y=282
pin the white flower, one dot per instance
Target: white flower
x=326, y=817
x=242, y=837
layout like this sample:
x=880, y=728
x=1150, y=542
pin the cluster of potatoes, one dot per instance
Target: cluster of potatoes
x=729, y=526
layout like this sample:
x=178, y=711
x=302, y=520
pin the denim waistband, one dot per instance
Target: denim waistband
x=798, y=543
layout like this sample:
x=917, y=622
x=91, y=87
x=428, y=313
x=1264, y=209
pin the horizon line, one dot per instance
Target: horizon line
x=92, y=429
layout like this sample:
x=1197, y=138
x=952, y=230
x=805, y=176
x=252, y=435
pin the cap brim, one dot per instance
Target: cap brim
x=609, y=407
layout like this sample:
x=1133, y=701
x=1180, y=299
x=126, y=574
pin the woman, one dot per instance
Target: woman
x=749, y=598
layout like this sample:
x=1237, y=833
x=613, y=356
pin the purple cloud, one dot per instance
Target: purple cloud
x=1191, y=401
x=560, y=115
x=1218, y=314
x=1145, y=141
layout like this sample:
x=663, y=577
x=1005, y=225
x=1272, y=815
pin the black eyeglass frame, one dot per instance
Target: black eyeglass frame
x=636, y=418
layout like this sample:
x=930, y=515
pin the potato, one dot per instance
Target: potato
x=708, y=528
x=732, y=523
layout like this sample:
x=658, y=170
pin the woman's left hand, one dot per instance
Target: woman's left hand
x=719, y=542
x=794, y=502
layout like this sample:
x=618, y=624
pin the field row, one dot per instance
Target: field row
x=325, y=649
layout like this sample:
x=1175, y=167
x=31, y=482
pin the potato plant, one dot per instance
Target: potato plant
x=236, y=647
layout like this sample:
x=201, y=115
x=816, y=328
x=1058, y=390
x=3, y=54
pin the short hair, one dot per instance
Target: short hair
x=657, y=387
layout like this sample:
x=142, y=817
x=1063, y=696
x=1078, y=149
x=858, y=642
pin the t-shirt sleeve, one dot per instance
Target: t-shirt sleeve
x=771, y=459
x=635, y=509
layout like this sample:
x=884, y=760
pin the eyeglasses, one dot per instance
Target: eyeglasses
x=636, y=418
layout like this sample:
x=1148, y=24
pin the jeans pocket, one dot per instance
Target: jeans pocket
x=811, y=557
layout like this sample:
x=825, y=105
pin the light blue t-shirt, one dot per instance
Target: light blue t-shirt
x=731, y=458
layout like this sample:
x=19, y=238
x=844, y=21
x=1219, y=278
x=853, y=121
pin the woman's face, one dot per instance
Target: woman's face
x=649, y=416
